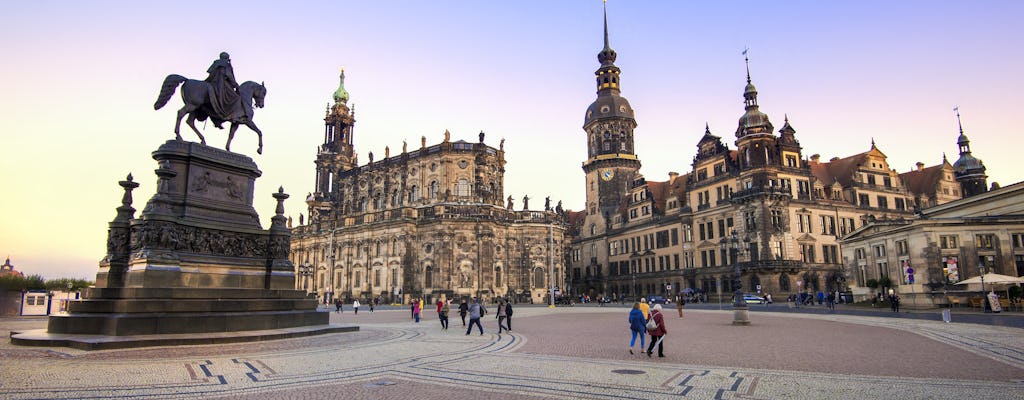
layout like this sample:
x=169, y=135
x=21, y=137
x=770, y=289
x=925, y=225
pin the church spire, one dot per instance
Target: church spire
x=607, y=55
x=608, y=73
x=341, y=95
x=753, y=120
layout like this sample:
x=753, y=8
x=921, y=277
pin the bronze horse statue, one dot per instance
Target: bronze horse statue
x=196, y=95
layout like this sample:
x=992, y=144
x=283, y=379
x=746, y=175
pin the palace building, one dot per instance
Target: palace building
x=430, y=221
x=762, y=207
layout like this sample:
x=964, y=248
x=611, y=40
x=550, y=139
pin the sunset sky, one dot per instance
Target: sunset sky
x=79, y=80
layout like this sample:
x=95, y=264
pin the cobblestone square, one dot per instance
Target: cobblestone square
x=579, y=352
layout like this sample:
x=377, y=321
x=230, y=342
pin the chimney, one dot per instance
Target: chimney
x=920, y=166
x=815, y=158
x=672, y=177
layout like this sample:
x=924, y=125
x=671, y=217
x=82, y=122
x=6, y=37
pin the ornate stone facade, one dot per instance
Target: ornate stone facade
x=430, y=221
x=762, y=206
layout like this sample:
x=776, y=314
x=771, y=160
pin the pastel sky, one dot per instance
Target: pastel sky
x=78, y=81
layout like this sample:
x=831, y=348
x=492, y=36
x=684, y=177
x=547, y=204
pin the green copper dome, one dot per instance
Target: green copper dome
x=341, y=95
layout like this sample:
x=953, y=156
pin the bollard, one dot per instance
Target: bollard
x=946, y=317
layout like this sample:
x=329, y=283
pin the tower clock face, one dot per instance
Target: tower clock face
x=607, y=174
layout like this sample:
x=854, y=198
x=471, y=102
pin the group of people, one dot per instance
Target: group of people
x=340, y=307
x=646, y=320
x=475, y=310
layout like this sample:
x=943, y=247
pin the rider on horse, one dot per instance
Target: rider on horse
x=225, y=98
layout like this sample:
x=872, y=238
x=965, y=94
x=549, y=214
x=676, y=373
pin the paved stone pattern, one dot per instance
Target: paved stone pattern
x=560, y=353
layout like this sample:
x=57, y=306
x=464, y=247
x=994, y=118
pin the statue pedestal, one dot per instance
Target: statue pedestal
x=196, y=261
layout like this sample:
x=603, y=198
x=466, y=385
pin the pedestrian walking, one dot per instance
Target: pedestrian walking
x=416, y=311
x=355, y=305
x=508, y=316
x=501, y=315
x=463, y=309
x=894, y=301
x=412, y=308
x=645, y=308
x=337, y=306
x=679, y=305
x=637, y=327
x=421, y=304
x=476, y=310
x=440, y=304
x=658, y=333
x=443, y=315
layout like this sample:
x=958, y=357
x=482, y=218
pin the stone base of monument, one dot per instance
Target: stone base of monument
x=195, y=267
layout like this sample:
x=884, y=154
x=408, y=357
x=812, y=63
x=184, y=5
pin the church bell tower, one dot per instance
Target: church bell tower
x=611, y=163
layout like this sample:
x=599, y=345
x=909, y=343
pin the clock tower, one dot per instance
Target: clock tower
x=611, y=164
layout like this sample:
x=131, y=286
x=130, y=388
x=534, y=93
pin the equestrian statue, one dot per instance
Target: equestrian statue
x=218, y=98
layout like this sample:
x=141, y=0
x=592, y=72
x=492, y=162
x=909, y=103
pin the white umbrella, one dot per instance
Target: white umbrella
x=991, y=278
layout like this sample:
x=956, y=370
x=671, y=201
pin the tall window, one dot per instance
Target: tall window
x=948, y=242
x=462, y=188
x=807, y=253
x=414, y=193
x=777, y=219
x=432, y=191
x=803, y=223
x=538, y=278
x=497, y=276
x=777, y=250
x=428, y=277
x=985, y=242
x=902, y=248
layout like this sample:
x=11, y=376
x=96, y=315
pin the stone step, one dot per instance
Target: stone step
x=192, y=293
x=132, y=306
x=174, y=323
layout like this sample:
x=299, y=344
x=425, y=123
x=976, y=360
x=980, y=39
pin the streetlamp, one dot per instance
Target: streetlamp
x=984, y=296
x=739, y=305
x=305, y=271
x=68, y=303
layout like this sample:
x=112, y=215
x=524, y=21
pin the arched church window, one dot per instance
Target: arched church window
x=414, y=193
x=428, y=277
x=432, y=191
x=784, y=282
x=497, y=276
x=538, y=278
x=462, y=187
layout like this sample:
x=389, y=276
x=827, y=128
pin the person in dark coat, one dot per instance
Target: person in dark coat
x=463, y=309
x=637, y=326
x=508, y=315
x=657, y=334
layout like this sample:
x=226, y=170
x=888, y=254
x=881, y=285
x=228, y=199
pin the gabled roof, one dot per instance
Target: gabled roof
x=923, y=181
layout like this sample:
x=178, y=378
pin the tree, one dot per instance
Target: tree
x=884, y=282
x=19, y=283
x=872, y=284
x=62, y=284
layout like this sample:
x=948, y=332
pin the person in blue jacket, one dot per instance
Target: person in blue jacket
x=637, y=325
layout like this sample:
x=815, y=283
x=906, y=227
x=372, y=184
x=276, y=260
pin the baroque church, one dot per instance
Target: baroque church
x=429, y=222
x=762, y=208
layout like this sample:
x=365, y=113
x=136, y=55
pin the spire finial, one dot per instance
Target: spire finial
x=707, y=128
x=746, y=60
x=607, y=55
x=956, y=109
x=872, y=142
x=944, y=159
x=786, y=117
x=606, y=45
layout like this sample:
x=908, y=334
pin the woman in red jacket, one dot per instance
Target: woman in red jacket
x=657, y=334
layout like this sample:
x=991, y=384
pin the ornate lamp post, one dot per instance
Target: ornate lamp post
x=981, y=272
x=739, y=305
x=305, y=271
